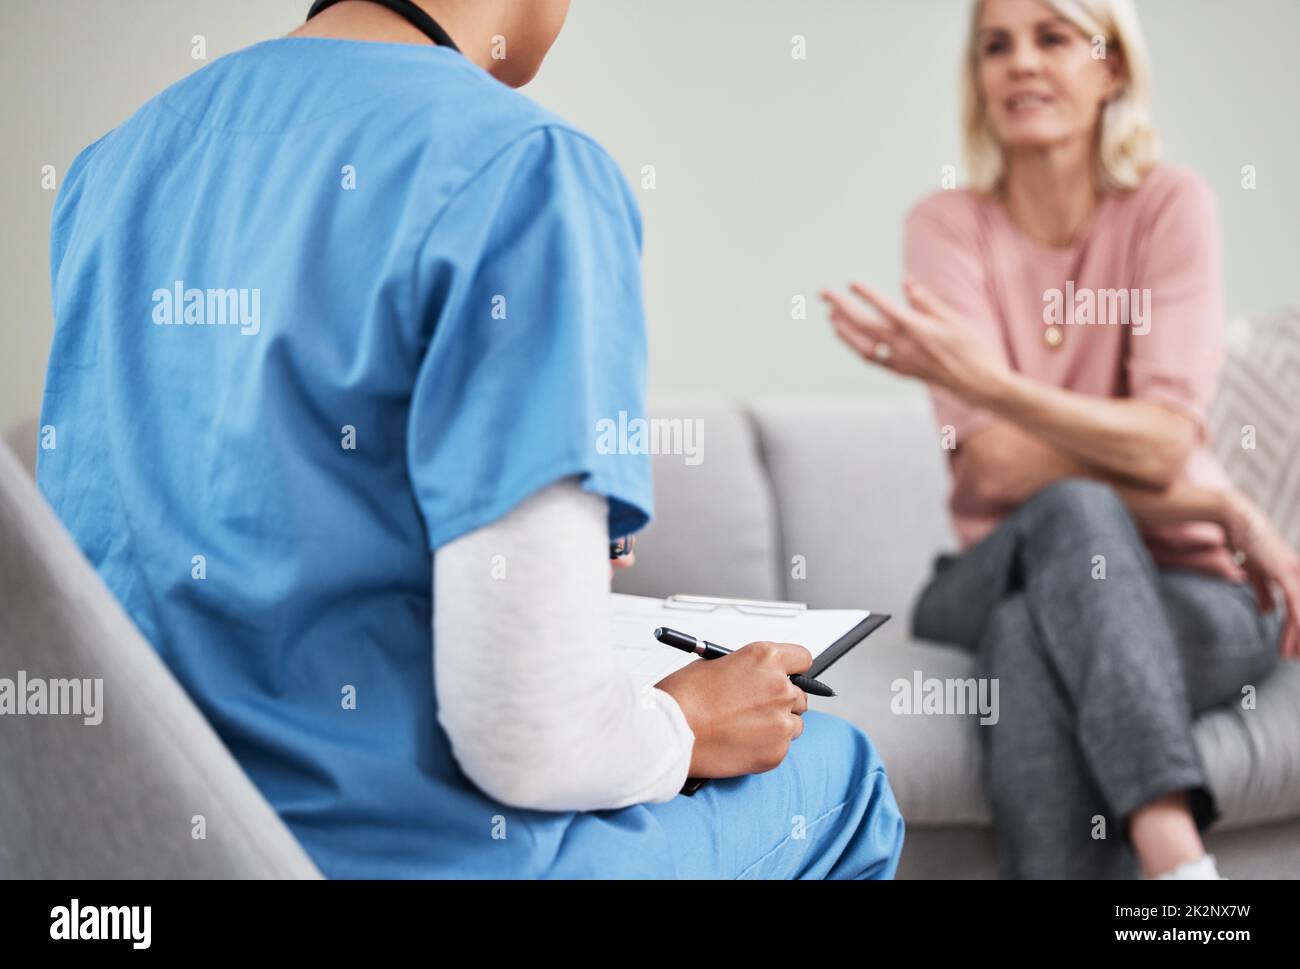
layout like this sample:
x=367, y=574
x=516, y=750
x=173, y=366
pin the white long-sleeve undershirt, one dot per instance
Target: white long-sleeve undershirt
x=539, y=710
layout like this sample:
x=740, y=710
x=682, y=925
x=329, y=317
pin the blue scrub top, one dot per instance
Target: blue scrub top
x=322, y=307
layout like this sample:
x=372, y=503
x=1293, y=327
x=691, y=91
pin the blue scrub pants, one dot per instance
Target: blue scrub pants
x=826, y=812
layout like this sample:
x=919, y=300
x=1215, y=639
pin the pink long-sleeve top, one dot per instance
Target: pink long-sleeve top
x=1133, y=308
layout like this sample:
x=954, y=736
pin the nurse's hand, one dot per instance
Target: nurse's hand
x=742, y=708
x=624, y=561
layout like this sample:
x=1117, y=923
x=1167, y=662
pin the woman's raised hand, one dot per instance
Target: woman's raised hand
x=927, y=340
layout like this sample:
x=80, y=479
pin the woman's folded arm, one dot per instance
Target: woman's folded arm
x=1146, y=442
x=1004, y=465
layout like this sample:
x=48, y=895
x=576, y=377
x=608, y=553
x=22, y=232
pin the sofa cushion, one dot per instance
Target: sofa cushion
x=713, y=531
x=861, y=492
x=1253, y=756
x=1252, y=421
x=934, y=762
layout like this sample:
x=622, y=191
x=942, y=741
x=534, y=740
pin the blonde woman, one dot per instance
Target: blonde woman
x=1066, y=313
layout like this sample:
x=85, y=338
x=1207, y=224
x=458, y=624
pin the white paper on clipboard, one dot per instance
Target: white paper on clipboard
x=728, y=622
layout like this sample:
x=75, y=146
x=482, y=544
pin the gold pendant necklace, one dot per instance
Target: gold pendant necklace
x=1054, y=333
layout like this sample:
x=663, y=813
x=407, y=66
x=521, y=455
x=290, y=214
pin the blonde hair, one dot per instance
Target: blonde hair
x=1126, y=146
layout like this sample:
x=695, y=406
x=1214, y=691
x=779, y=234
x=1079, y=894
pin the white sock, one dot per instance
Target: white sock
x=1203, y=868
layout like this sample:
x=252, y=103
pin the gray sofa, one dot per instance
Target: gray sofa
x=174, y=803
x=856, y=486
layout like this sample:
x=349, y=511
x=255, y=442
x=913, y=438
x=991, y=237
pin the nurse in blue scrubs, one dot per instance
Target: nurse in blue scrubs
x=337, y=319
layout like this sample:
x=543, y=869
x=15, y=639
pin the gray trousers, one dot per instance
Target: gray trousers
x=1098, y=678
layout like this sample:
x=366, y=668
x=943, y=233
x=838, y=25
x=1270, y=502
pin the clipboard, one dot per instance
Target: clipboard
x=827, y=633
x=846, y=642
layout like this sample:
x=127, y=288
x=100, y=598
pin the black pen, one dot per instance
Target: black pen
x=707, y=650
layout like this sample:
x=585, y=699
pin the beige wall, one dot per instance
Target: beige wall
x=775, y=176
